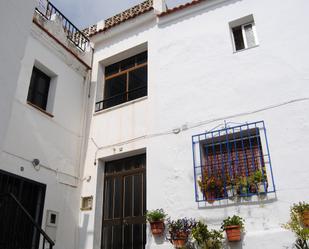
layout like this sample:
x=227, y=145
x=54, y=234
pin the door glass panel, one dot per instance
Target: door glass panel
x=128, y=236
x=109, y=192
x=117, y=200
x=137, y=236
x=117, y=237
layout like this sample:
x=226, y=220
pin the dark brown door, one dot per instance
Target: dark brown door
x=124, y=205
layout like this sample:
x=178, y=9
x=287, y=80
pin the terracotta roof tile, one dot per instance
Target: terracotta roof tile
x=180, y=7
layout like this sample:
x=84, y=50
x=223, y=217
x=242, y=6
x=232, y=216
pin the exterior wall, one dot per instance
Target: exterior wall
x=56, y=141
x=15, y=22
x=195, y=83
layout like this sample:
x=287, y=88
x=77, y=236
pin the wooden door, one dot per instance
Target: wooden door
x=124, y=205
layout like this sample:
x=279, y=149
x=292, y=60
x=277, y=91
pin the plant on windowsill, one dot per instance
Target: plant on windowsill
x=179, y=231
x=206, y=239
x=243, y=186
x=211, y=187
x=297, y=225
x=233, y=227
x=258, y=182
x=231, y=188
x=156, y=220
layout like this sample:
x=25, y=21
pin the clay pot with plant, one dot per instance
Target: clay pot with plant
x=205, y=238
x=211, y=187
x=302, y=210
x=233, y=226
x=242, y=185
x=258, y=181
x=156, y=220
x=179, y=231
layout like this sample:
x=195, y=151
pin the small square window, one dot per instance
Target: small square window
x=244, y=33
x=38, y=89
x=86, y=203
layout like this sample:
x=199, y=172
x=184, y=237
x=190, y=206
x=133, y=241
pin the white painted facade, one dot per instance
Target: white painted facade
x=195, y=82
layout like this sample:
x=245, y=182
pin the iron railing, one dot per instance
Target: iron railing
x=15, y=238
x=76, y=36
x=121, y=98
x=232, y=163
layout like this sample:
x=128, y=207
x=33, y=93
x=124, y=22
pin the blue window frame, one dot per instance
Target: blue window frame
x=232, y=162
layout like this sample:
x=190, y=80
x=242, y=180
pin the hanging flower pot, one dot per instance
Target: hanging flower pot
x=233, y=233
x=157, y=227
x=210, y=196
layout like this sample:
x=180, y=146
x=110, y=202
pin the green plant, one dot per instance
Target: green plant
x=207, y=239
x=156, y=215
x=183, y=225
x=295, y=225
x=257, y=177
x=300, y=208
x=233, y=221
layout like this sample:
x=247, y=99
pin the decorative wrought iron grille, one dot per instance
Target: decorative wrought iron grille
x=232, y=162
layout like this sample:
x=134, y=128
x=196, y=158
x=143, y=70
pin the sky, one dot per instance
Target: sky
x=84, y=13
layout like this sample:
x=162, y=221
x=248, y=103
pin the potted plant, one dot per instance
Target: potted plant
x=179, y=231
x=156, y=219
x=258, y=180
x=233, y=227
x=205, y=238
x=211, y=188
x=296, y=225
x=302, y=210
x=242, y=185
x=231, y=188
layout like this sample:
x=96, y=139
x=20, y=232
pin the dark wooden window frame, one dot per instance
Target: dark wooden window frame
x=126, y=72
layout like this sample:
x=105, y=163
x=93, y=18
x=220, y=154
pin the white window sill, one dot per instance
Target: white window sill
x=121, y=105
x=241, y=50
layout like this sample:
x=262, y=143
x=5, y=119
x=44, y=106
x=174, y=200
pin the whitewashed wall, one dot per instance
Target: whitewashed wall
x=15, y=23
x=56, y=141
x=195, y=78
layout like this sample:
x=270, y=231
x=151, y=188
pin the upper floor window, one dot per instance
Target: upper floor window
x=39, y=89
x=125, y=80
x=244, y=33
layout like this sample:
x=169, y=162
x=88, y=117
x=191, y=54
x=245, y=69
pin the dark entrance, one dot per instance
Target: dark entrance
x=16, y=231
x=124, y=206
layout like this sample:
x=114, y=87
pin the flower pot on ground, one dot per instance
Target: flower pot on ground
x=156, y=220
x=179, y=231
x=205, y=238
x=302, y=210
x=233, y=227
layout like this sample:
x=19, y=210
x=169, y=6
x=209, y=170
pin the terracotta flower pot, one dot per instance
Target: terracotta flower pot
x=210, y=196
x=180, y=240
x=233, y=233
x=305, y=217
x=157, y=227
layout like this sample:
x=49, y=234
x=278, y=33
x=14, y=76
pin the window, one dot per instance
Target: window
x=244, y=33
x=38, y=89
x=125, y=81
x=232, y=162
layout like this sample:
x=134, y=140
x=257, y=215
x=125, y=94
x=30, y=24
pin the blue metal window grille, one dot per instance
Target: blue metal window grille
x=232, y=162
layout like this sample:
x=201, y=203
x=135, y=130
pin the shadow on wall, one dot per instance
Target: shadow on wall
x=206, y=8
x=83, y=232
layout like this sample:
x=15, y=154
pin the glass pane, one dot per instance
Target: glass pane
x=117, y=201
x=141, y=58
x=238, y=38
x=112, y=69
x=128, y=196
x=108, y=202
x=138, y=83
x=127, y=63
x=249, y=35
x=138, y=195
x=115, y=91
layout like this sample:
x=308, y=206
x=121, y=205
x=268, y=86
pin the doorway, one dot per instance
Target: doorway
x=124, y=205
x=16, y=231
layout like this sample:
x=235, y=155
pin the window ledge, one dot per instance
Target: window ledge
x=40, y=109
x=121, y=105
x=245, y=49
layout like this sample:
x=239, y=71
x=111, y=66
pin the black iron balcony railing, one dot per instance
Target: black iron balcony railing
x=18, y=228
x=73, y=33
x=121, y=98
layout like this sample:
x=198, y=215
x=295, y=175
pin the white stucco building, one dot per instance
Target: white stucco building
x=158, y=100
